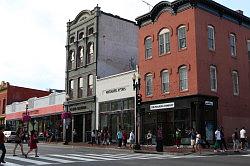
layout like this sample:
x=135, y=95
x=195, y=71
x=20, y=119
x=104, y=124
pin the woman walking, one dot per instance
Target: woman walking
x=18, y=140
x=33, y=143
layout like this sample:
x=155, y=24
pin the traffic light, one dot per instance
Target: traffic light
x=138, y=99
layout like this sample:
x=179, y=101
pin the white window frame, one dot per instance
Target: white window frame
x=183, y=77
x=164, y=41
x=182, y=36
x=235, y=80
x=213, y=78
x=211, y=38
x=148, y=47
x=232, y=40
x=149, y=85
x=165, y=81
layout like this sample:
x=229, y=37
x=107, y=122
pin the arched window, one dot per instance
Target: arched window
x=235, y=79
x=90, y=84
x=80, y=87
x=233, y=44
x=183, y=76
x=90, y=52
x=149, y=84
x=213, y=78
x=211, y=39
x=148, y=48
x=165, y=81
x=164, y=41
x=182, y=40
x=80, y=56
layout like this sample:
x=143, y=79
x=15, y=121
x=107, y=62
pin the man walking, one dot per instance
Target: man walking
x=2, y=146
x=217, y=140
x=243, y=136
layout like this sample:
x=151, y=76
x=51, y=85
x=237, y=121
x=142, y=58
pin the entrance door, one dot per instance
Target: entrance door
x=78, y=126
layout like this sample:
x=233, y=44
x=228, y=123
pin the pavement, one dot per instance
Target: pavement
x=173, y=150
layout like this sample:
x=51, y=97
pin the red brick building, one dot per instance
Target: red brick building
x=10, y=94
x=194, y=60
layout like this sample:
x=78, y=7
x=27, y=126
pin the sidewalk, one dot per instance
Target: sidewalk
x=170, y=150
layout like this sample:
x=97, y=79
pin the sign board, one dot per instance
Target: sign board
x=162, y=106
x=209, y=103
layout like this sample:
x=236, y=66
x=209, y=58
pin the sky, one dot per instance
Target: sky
x=33, y=35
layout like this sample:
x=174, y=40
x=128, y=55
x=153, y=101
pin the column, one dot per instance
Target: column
x=72, y=128
x=83, y=129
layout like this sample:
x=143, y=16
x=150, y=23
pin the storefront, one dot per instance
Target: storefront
x=115, y=103
x=198, y=112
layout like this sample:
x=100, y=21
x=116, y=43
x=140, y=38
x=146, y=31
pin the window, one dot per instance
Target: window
x=81, y=35
x=183, y=78
x=248, y=49
x=182, y=37
x=213, y=78
x=72, y=39
x=148, y=47
x=165, y=81
x=71, y=88
x=80, y=87
x=235, y=79
x=211, y=40
x=233, y=45
x=90, y=85
x=149, y=84
x=90, y=31
x=164, y=41
x=71, y=59
x=90, y=53
x=80, y=56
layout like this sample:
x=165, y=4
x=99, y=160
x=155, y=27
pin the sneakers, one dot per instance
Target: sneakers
x=2, y=162
x=36, y=156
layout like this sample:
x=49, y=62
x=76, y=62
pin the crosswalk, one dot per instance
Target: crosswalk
x=55, y=159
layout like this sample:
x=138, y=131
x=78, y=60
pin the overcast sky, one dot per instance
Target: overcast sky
x=33, y=35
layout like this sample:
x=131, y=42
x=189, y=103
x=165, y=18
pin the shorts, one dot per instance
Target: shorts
x=243, y=140
x=192, y=142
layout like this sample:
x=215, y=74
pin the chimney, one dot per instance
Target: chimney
x=239, y=11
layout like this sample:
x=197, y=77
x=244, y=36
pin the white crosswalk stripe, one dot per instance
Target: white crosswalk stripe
x=80, y=157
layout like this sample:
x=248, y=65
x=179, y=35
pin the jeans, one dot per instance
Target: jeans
x=2, y=147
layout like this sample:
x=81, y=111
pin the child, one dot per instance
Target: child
x=33, y=144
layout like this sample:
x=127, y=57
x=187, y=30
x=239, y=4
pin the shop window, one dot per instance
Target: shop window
x=80, y=87
x=233, y=45
x=235, y=79
x=183, y=76
x=114, y=106
x=149, y=84
x=90, y=84
x=182, y=41
x=90, y=52
x=104, y=107
x=211, y=39
x=148, y=48
x=164, y=41
x=213, y=78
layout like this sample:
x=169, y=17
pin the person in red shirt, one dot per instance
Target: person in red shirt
x=2, y=146
x=124, y=138
x=33, y=143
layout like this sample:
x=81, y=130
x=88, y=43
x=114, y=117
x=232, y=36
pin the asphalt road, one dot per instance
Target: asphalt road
x=51, y=154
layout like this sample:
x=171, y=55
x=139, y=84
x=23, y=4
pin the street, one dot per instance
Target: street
x=52, y=154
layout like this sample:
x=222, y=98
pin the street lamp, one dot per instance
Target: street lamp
x=136, y=87
x=66, y=119
x=27, y=119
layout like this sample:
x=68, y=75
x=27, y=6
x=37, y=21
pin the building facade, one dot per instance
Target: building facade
x=45, y=114
x=202, y=76
x=99, y=44
x=10, y=94
x=115, y=103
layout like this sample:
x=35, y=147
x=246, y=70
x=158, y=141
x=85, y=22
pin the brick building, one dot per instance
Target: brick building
x=202, y=76
x=10, y=94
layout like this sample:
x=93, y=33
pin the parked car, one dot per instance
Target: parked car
x=10, y=135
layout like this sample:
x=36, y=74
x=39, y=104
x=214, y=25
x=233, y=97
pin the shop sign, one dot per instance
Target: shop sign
x=209, y=103
x=162, y=106
x=114, y=90
x=78, y=107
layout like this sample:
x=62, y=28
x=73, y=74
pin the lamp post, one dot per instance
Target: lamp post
x=136, y=87
x=66, y=121
x=26, y=114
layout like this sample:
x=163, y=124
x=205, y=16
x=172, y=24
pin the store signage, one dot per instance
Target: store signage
x=162, y=106
x=115, y=90
x=76, y=108
x=209, y=103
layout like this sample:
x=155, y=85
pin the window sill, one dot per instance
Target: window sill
x=167, y=53
x=146, y=59
x=182, y=49
x=184, y=91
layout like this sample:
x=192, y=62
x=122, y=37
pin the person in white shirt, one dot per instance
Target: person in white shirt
x=243, y=136
x=132, y=139
x=217, y=140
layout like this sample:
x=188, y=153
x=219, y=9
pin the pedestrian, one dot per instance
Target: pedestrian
x=2, y=146
x=198, y=142
x=132, y=139
x=243, y=136
x=192, y=135
x=74, y=135
x=119, y=138
x=217, y=140
x=149, y=138
x=159, y=139
x=124, y=138
x=235, y=138
x=223, y=141
x=93, y=137
x=33, y=143
x=18, y=140
x=178, y=138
